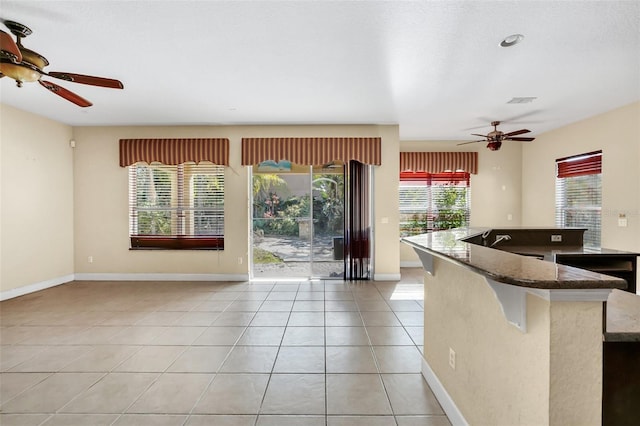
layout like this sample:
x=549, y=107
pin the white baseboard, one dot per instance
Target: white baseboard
x=386, y=277
x=31, y=288
x=161, y=277
x=410, y=264
x=448, y=405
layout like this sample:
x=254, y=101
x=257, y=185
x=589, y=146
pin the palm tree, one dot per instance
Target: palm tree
x=266, y=184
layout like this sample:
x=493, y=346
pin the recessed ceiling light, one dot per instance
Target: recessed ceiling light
x=511, y=40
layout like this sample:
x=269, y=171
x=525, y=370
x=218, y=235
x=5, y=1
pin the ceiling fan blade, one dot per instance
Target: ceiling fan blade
x=9, y=47
x=476, y=134
x=66, y=94
x=517, y=132
x=466, y=143
x=87, y=79
x=476, y=127
x=517, y=118
x=518, y=139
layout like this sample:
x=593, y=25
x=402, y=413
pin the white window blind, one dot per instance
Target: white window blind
x=579, y=194
x=415, y=199
x=433, y=201
x=176, y=206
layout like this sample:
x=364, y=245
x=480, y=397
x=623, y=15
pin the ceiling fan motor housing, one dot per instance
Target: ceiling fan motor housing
x=496, y=135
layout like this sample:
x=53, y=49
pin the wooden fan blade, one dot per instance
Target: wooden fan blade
x=9, y=47
x=64, y=93
x=519, y=139
x=87, y=79
x=465, y=143
x=517, y=132
x=476, y=134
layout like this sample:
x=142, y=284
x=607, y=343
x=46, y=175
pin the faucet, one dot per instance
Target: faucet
x=485, y=236
x=501, y=238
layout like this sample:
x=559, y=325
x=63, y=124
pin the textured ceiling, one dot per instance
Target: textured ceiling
x=433, y=67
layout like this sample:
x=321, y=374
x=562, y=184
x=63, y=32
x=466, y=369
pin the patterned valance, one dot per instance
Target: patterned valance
x=437, y=162
x=311, y=151
x=174, y=151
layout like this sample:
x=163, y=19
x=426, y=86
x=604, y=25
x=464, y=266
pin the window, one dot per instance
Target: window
x=433, y=201
x=176, y=207
x=579, y=194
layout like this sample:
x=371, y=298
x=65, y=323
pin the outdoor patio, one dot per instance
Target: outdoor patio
x=294, y=255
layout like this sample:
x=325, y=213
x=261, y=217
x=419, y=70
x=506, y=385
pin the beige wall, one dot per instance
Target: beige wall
x=495, y=189
x=101, y=209
x=552, y=374
x=83, y=193
x=518, y=180
x=617, y=134
x=36, y=221
x=101, y=204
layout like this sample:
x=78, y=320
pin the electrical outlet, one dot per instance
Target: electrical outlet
x=90, y=259
x=556, y=238
x=452, y=359
x=240, y=261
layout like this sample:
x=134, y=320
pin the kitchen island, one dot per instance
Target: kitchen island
x=509, y=338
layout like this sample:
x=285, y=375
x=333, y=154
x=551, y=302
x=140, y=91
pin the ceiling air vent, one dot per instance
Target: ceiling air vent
x=522, y=100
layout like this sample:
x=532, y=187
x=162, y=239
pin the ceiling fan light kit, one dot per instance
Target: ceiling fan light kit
x=26, y=66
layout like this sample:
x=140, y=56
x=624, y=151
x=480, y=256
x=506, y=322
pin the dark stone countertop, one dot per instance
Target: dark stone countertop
x=623, y=317
x=510, y=268
x=549, y=253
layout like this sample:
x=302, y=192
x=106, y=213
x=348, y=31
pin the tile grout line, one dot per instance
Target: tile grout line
x=377, y=363
x=217, y=372
x=266, y=389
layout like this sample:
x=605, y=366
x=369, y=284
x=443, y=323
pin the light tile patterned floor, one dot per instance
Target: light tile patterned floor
x=328, y=353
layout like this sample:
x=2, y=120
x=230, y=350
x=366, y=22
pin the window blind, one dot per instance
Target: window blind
x=433, y=201
x=176, y=206
x=579, y=165
x=579, y=194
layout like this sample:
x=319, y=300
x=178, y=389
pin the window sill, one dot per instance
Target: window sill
x=169, y=242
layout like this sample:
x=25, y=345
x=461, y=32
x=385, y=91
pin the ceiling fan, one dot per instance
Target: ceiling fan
x=26, y=66
x=496, y=137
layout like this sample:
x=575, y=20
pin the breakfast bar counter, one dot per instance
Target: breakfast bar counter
x=510, y=337
x=519, y=266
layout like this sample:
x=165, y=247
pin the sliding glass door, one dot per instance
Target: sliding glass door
x=297, y=221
